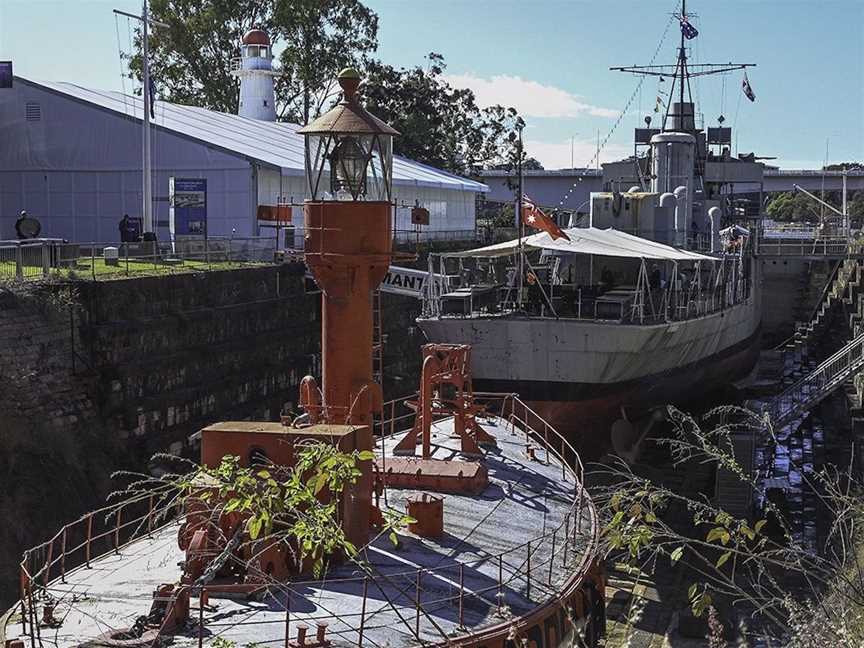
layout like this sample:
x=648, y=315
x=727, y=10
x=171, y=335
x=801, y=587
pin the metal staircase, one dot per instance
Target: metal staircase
x=818, y=384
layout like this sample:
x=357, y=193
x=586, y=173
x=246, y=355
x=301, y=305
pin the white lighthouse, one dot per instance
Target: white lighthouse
x=255, y=69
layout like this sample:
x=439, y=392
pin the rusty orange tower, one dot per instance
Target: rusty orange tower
x=349, y=159
x=349, y=162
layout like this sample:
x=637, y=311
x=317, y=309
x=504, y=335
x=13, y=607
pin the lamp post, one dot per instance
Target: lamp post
x=349, y=161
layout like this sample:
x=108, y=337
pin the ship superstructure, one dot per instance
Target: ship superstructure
x=501, y=542
x=653, y=300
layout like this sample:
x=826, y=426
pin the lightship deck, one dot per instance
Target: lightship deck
x=526, y=500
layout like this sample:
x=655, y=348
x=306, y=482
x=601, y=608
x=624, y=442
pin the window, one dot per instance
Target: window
x=33, y=111
x=262, y=52
x=265, y=103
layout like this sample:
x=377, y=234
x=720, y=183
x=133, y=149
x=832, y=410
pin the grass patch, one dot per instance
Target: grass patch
x=97, y=269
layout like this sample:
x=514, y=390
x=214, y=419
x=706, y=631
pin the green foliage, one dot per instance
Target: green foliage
x=791, y=206
x=221, y=642
x=734, y=559
x=440, y=125
x=288, y=503
x=191, y=58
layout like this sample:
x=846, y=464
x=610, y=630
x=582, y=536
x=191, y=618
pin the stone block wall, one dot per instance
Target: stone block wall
x=172, y=354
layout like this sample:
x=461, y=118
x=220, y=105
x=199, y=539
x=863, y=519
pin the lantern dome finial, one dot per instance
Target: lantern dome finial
x=349, y=80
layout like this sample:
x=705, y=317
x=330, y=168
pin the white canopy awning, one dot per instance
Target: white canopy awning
x=590, y=240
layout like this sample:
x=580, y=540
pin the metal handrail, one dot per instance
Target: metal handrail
x=819, y=383
x=515, y=564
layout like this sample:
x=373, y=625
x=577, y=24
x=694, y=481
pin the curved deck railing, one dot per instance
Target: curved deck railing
x=540, y=571
x=81, y=542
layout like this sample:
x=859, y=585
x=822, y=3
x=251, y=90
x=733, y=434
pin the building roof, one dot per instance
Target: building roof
x=275, y=144
x=256, y=37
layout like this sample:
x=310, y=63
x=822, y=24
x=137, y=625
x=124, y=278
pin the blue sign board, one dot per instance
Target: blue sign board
x=188, y=206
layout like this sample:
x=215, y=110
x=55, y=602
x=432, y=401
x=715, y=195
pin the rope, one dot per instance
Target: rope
x=120, y=59
x=620, y=117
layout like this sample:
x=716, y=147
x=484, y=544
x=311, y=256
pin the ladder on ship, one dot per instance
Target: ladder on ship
x=813, y=388
x=377, y=339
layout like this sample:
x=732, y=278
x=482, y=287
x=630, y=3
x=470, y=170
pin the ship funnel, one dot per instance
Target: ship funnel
x=672, y=158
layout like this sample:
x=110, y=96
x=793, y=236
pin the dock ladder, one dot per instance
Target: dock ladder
x=377, y=339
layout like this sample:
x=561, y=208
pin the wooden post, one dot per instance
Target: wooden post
x=552, y=557
x=87, y=541
x=528, y=578
x=362, y=612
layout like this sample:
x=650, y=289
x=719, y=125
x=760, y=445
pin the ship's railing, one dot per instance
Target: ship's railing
x=593, y=304
x=81, y=542
x=527, y=573
x=547, y=566
x=43, y=258
x=819, y=246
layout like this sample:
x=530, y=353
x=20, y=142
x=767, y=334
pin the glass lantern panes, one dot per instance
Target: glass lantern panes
x=349, y=166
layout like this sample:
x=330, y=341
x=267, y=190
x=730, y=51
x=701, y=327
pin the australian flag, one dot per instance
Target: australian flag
x=689, y=31
x=748, y=91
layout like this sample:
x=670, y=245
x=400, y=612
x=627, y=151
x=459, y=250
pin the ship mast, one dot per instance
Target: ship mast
x=681, y=72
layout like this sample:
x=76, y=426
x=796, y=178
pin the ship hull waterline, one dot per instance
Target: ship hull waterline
x=571, y=382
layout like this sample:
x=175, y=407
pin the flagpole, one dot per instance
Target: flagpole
x=519, y=216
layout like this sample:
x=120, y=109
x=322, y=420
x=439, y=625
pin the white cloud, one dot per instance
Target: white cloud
x=555, y=155
x=530, y=98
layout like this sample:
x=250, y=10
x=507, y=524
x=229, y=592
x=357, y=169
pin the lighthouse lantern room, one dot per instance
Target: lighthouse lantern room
x=255, y=70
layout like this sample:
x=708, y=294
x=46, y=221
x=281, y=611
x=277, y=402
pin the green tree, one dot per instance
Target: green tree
x=440, y=125
x=792, y=206
x=190, y=59
x=320, y=37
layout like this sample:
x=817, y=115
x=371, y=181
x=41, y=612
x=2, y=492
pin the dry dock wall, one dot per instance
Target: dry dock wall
x=96, y=377
x=171, y=354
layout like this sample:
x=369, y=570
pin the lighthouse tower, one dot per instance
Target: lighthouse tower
x=255, y=69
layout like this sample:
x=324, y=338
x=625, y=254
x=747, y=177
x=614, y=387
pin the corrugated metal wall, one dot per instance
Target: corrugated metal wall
x=77, y=168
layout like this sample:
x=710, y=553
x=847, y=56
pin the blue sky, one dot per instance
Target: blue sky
x=550, y=59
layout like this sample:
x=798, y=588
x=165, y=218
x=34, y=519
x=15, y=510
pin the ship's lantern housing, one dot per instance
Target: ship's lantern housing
x=349, y=152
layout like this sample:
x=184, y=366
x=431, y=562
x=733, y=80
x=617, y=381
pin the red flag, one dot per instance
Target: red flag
x=533, y=216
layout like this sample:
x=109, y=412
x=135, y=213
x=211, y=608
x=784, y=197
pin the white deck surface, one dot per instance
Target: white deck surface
x=524, y=498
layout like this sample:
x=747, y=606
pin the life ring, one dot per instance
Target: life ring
x=28, y=228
